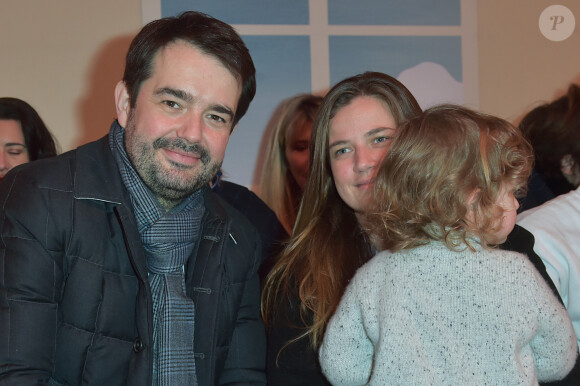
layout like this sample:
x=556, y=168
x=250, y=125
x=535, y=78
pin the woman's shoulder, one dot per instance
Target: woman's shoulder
x=387, y=263
x=381, y=259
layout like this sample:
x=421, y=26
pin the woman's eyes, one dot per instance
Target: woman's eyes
x=381, y=139
x=300, y=146
x=342, y=151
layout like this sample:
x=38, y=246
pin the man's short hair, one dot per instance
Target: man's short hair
x=213, y=37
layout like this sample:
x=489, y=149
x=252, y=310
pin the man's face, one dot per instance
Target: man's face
x=177, y=133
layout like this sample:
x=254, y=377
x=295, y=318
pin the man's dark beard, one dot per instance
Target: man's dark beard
x=169, y=190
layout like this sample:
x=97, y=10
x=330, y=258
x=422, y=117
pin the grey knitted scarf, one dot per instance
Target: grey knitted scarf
x=169, y=239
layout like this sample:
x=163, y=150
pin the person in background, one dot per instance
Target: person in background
x=441, y=305
x=23, y=135
x=120, y=265
x=286, y=153
x=555, y=226
x=351, y=134
x=553, y=129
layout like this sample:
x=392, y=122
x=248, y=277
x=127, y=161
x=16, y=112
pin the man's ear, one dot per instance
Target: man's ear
x=122, y=103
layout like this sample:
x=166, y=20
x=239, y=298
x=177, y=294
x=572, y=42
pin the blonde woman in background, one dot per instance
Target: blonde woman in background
x=285, y=156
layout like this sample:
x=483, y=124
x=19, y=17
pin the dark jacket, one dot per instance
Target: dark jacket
x=75, y=302
x=294, y=364
x=263, y=218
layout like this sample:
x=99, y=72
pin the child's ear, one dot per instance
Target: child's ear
x=470, y=205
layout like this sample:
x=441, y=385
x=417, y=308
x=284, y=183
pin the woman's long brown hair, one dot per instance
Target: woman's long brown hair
x=327, y=245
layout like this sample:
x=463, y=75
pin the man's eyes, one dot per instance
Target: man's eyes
x=172, y=104
x=217, y=118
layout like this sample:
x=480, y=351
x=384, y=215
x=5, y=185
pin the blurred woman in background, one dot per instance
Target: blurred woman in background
x=285, y=158
x=23, y=135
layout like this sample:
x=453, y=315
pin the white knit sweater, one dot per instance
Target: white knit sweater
x=430, y=316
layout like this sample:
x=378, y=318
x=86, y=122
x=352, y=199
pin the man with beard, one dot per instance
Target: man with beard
x=118, y=264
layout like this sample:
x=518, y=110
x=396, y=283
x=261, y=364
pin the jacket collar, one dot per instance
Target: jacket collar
x=97, y=176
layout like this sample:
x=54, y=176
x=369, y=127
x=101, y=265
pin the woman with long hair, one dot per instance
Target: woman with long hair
x=350, y=137
x=285, y=159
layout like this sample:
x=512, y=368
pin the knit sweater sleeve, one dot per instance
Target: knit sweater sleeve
x=346, y=354
x=554, y=346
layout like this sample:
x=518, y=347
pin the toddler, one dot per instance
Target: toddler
x=441, y=305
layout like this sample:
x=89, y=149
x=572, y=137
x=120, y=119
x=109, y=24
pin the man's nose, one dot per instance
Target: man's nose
x=191, y=127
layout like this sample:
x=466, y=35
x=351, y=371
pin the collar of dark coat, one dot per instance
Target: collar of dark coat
x=96, y=176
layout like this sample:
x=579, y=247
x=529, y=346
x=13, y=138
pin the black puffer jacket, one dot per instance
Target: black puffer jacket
x=75, y=303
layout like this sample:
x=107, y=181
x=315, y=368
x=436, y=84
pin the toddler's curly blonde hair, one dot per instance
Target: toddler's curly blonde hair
x=441, y=162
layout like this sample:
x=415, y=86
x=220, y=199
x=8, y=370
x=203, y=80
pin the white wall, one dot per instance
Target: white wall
x=64, y=57
x=518, y=66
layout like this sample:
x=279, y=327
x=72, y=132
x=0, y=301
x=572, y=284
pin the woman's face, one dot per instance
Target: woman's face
x=359, y=137
x=13, y=150
x=297, y=151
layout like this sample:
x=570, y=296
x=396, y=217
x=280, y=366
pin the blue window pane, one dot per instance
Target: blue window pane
x=243, y=11
x=394, y=12
x=350, y=55
x=282, y=70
